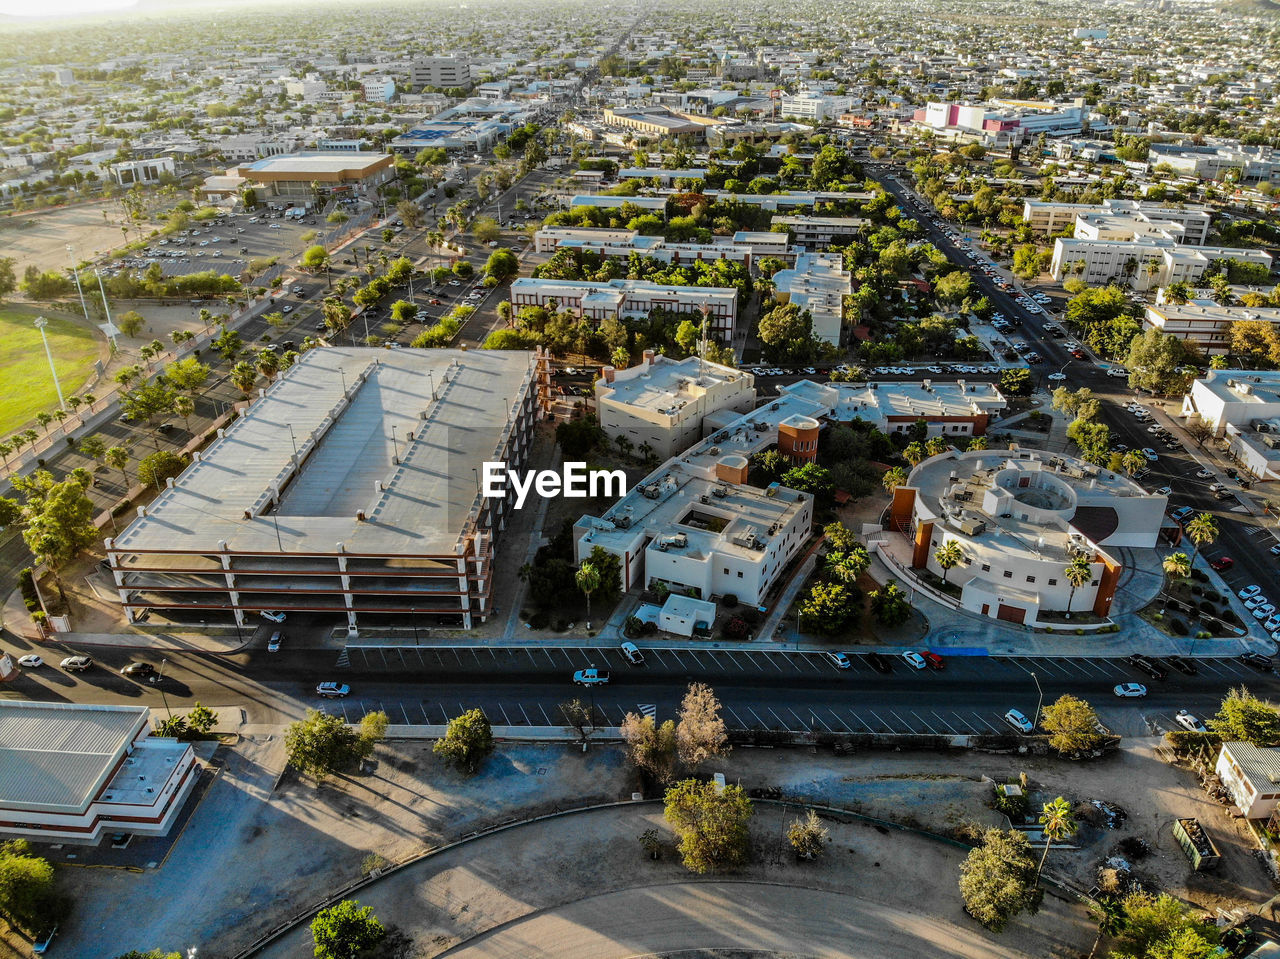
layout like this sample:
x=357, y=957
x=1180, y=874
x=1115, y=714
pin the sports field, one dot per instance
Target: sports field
x=26, y=387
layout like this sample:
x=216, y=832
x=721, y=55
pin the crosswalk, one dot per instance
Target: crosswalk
x=648, y=709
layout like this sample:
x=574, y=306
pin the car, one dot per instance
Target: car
x=1018, y=721
x=1181, y=513
x=1156, y=429
x=879, y=662
x=1204, y=474
x=1249, y=592
x=631, y=652
x=1257, y=661
x=1164, y=491
x=287, y=308
x=839, y=660
x=272, y=616
x=1152, y=669
x=1275, y=550
x=138, y=669
x=934, y=660
x=1216, y=487
x=1222, y=563
x=1150, y=454
x=1223, y=494
x=1265, y=611
x=31, y=661
x=1130, y=690
x=333, y=690
x=273, y=644
x=914, y=659
x=1117, y=371
x=1256, y=600
x=165, y=428
x=1056, y=377
x=1181, y=664
x=1190, y=723
x=76, y=664
x=1272, y=624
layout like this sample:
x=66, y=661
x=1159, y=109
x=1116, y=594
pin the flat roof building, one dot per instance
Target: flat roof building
x=293, y=174
x=950, y=410
x=1020, y=518
x=818, y=283
x=820, y=232
x=1243, y=408
x=622, y=243
x=1203, y=322
x=71, y=772
x=347, y=488
x=662, y=403
x=619, y=299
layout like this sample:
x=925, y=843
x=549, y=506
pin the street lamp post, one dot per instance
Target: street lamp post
x=1040, y=701
x=41, y=323
x=294, y=440
x=160, y=684
x=76, y=276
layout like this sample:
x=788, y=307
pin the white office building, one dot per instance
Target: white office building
x=818, y=283
x=1202, y=321
x=445, y=72
x=634, y=299
x=663, y=403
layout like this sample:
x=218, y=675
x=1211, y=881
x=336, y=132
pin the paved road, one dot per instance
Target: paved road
x=766, y=688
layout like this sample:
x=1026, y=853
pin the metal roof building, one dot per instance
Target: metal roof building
x=69, y=772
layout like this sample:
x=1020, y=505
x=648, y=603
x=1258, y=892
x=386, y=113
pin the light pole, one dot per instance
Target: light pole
x=294, y=440
x=1039, y=702
x=160, y=684
x=71, y=254
x=41, y=323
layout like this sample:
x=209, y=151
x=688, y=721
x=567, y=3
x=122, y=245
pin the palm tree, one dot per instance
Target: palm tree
x=75, y=402
x=1177, y=565
x=243, y=375
x=29, y=436
x=977, y=443
x=1056, y=819
x=1202, y=530
x=184, y=406
x=60, y=416
x=588, y=579
x=914, y=454
x=89, y=400
x=268, y=363
x=44, y=418
x=1078, y=572
x=118, y=457
x=936, y=445
x=949, y=555
x=5, y=449
x=1133, y=461
x=893, y=478
x=849, y=565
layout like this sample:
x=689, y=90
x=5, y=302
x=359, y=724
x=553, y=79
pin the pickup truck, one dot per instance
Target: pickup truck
x=591, y=677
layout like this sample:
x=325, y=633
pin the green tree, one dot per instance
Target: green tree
x=1058, y=824
x=848, y=566
x=1161, y=927
x=8, y=278
x=914, y=454
x=130, y=323
x=948, y=556
x=1156, y=361
x=713, y=824
x=1243, y=717
x=1202, y=531
x=244, y=375
x=58, y=525
x=502, y=264
x=117, y=457
x=187, y=376
x=316, y=258
x=1177, y=565
x=998, y=879
x=27, y=893
x=839, y=538
x=346, y=931
x=953, y=288
x=588, y=579
x=1072, y=725
x=787, y=333
x=808, y=837
x=410, y=214
x=1077, y=572
x=485, y=229
x=155, y=468
x=889, y=605
x=320, y=745
x=827, y=609
x=1133, y=461
x=467, y=742
x=893, y=478
x=1016, y=381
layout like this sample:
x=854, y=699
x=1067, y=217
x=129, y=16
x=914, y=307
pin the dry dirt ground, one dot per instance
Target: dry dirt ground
x=44, y=243
x=256, y=853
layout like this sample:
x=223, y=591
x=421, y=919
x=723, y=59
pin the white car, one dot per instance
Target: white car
x=333, y=690
x=1249, y=592
x=31, y=661
x=274, y=643
x=1150, y=454
x=1272, y=624
x=1189, y=722
x=914, y=660
x=76, y=664
x=1118, y=371
x=1164, y=491
x=1130, y=690
x=1265, y=611
x=1056, y=377
x=1204, y=474
x=632, y=653
x=839, y=660
x=272, y=617
x=1018, y=721
x=1255, y=600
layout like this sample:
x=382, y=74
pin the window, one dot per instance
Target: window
x=1031, y=579
x=986, y=567
x=1008, y=574
x=726, y=570
x=739, y=574
x=1053, y=582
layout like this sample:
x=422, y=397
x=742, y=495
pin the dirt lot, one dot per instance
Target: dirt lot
x=255, y=853
x=44, y=242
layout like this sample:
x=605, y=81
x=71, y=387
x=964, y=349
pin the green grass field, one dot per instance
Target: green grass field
x=26, y=387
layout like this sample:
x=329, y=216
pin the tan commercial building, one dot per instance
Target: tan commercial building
x=300, y=175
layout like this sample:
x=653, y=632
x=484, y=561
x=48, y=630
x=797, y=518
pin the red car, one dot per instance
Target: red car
x=934, y=660
x=1223, y=563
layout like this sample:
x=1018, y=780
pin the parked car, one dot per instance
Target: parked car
x=1181, y=664
x=1189, y=723
x=142, y=670
x=1257, y=661
x=273, y=644
x=272, y=616
x=1130, y=690
x=333, y=690
x=76, y=664
x=30, y=661
x=1018, y=721
x=591, y=677
x=1148, y=666
x=879, y=662
x=631, y=652
x=934, y=660
x=1249, y=592
x=839, y=660
x=1222, y=563
x=914, y=660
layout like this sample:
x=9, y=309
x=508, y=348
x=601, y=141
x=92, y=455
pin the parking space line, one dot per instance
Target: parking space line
x=941, y=720
x=887, y=727
x=550, y=659
x=861, y=720
x=902, y=721
x=800, y=719
x=475, y=655
x=405, y=713
x=842, y=723
x=1018, y=663
x=735, y=658
x=772, y=660
x=494, y=655
x=545, y=718
x=382, y=653
x=762, y=723
x=461, y=709
x=985, y=723
x=752, y=657
x=527, y=720
x=927, y=727
x=529, y=653
x=737, y=718
x=777, y=717
x=814, y=715
x=506, y=721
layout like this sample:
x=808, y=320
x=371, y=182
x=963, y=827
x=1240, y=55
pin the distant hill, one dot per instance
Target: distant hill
x=1257, y=8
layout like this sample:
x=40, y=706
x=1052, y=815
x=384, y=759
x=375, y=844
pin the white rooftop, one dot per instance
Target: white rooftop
x=667, y=383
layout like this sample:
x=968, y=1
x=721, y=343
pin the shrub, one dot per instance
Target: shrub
x=1015, y=807
x=730, y=600
x=736, y=628
x=539, y=620
x=1206, y=607
x=27, y=583
x=751, y=615
x=633, y=626
x=1177, y=627
x=649, y=628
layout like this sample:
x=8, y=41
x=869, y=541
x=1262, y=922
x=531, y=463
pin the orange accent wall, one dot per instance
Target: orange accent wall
x=798, y=444
x=1106, y=587
x=731, y=474
x=904, y=498
x=924, y=535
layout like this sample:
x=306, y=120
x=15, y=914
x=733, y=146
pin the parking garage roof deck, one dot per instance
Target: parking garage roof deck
x=347, y=441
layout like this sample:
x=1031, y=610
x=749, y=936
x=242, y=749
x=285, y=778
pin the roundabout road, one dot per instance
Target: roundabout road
x=682, y=917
